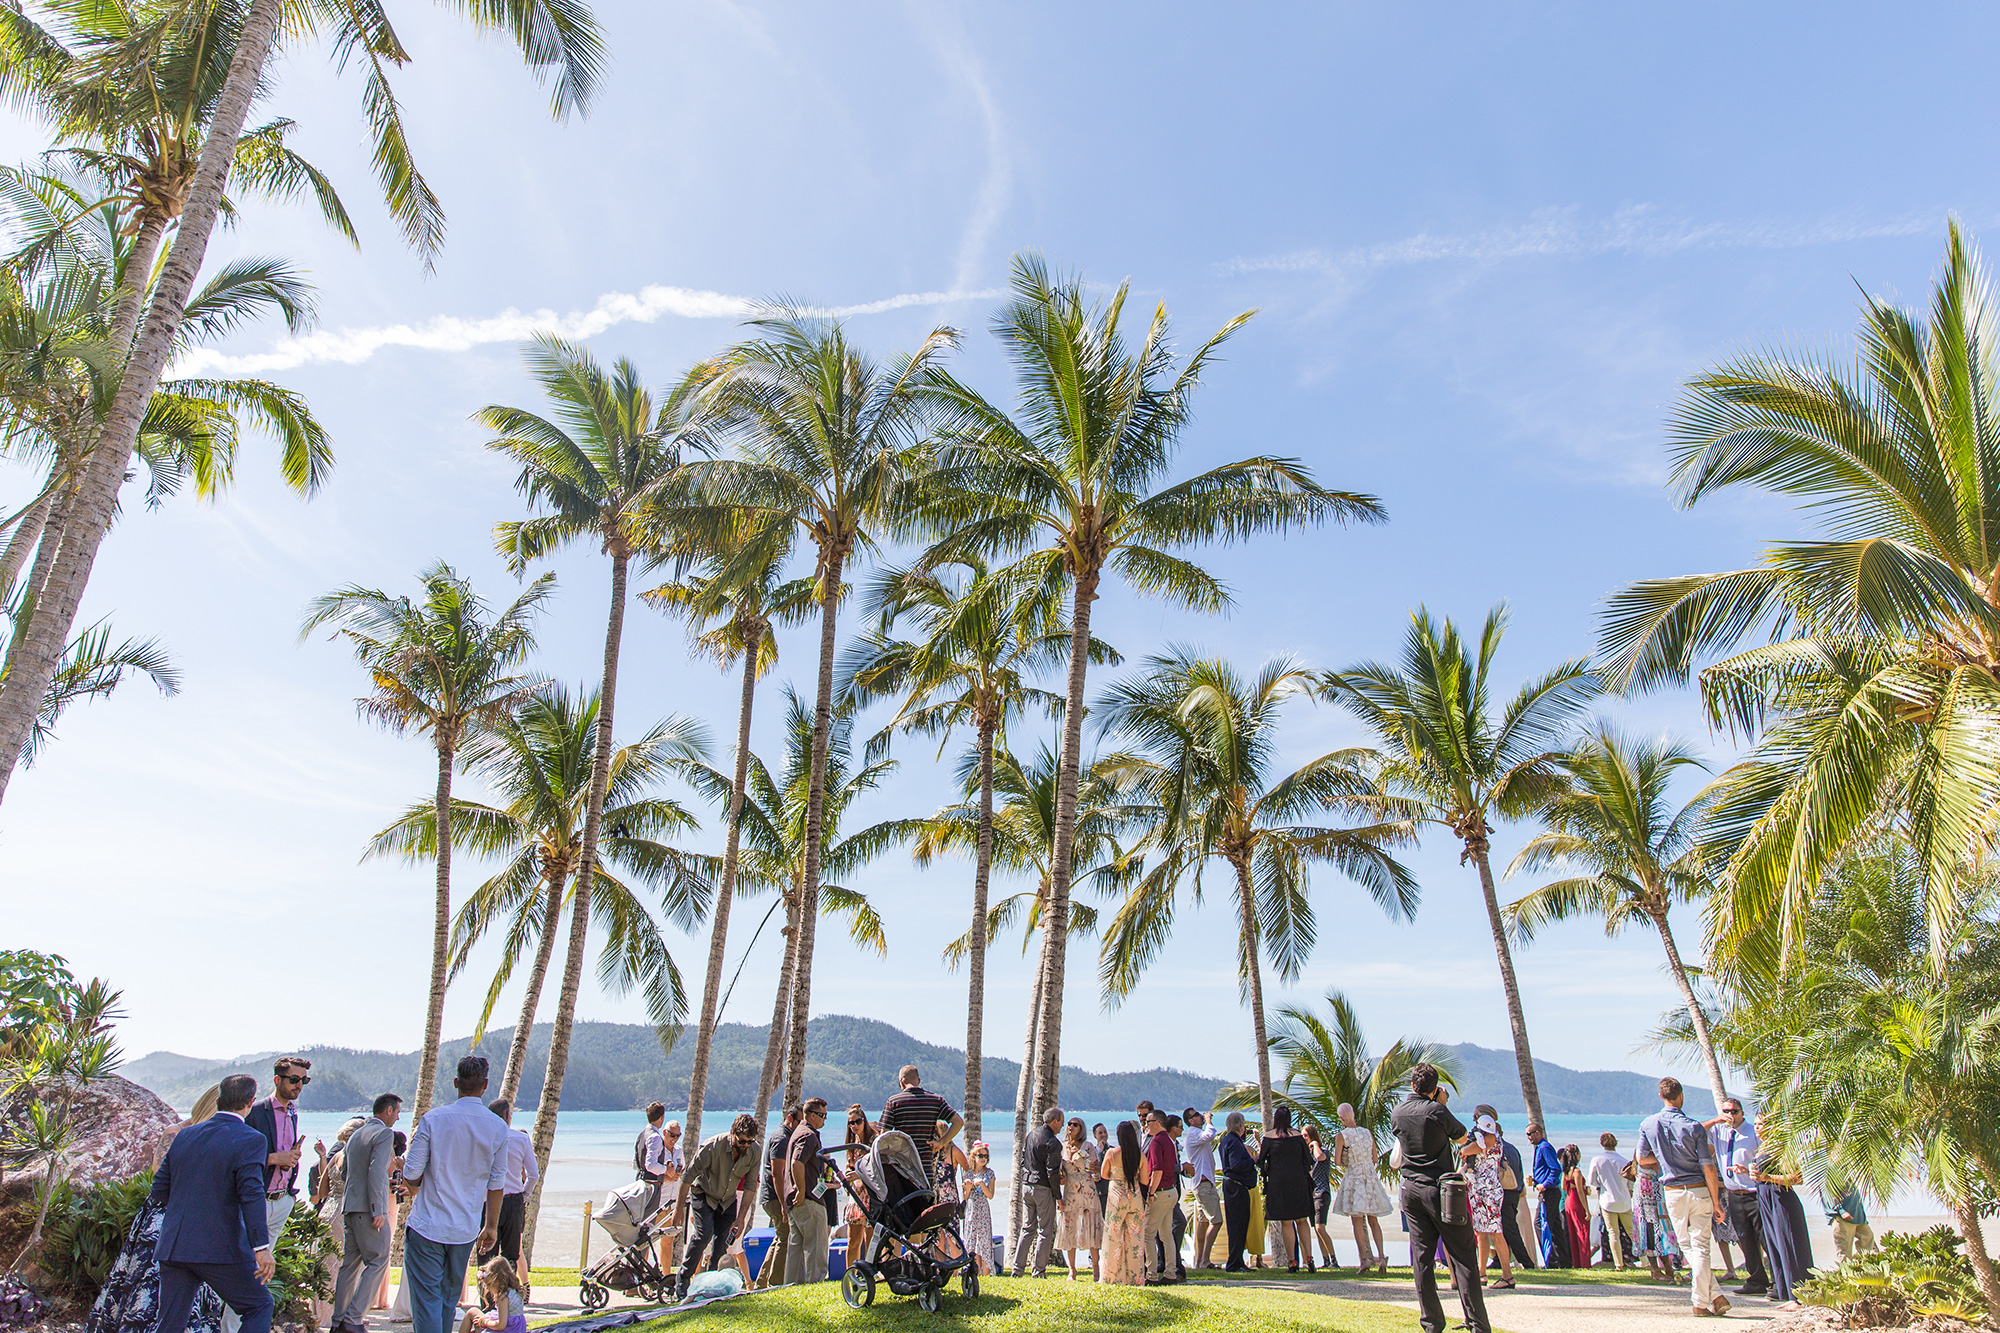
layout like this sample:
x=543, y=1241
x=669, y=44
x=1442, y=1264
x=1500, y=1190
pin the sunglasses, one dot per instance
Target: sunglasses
x=300, y=1079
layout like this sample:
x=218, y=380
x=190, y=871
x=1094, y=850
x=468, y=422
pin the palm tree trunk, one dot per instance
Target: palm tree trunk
x=427, y=1059
x=1702, y=1033
x=1975, y=1249
x=586, y=879
x=975, y=1004
x=1253, y=977
x=1524, y=1060
x=26, y=534
x=41, y=649
x=773, y=1071
x=545, y=1115
x=1022, y=1095
x=718, y=937
x=1055, y=917
x=133, y=282
x=524, y=1027
x=46, y=552
x=829, y=607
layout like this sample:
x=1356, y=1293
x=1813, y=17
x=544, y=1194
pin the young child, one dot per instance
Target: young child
x=501, y=1289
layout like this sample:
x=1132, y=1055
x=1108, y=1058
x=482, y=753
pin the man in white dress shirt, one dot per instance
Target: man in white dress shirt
x=1198, y=1151
x=521, y=1174
x=457, y=1170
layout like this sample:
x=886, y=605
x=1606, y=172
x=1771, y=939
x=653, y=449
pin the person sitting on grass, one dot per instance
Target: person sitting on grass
x=500, y=1290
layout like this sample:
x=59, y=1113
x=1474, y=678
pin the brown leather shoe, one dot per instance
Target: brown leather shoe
x=1721, y=1305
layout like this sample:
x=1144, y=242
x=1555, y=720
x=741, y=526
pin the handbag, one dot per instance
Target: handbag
x=1508, y=1180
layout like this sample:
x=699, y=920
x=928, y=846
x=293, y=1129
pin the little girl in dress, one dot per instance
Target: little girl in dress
x=501, y=1289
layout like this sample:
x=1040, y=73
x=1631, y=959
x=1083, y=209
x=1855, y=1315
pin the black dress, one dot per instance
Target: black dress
x=1286, y=1163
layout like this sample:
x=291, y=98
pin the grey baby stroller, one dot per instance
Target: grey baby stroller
x=914, y=1247
x=633, y=1268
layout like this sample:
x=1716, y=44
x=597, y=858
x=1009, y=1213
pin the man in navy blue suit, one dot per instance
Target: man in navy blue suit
x=212, y=1187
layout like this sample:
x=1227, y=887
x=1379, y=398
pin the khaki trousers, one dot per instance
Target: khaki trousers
x=1852, y=1238
x=1693, y=1211
x=1159, y=1226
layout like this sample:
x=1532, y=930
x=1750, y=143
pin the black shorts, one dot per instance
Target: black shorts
x=1322, y=1202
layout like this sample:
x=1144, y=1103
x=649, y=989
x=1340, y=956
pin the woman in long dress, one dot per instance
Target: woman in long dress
x=947, y=1160
x=129, y=1301
x=1783, y=1216
x=1081, y=1226
x=1285, y=1162
x=1125, y=1214
x=1361, y=1198
x=1482, y=1164
x=1656, y=1237
x=1576, y=1215
x=976, y=1224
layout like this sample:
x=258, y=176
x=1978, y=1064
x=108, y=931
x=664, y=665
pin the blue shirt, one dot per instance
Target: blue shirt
x=1548, y=1167
x=1733, y=1147
x=1679, y=1144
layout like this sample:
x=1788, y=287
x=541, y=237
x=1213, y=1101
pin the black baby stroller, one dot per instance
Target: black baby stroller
x=914, y=1246
x=633, y=1269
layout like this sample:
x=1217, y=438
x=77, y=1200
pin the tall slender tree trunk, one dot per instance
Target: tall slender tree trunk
x=718, y=937
x=1703, y=1035
x=1524, y=1060
x=1023, y=1093
x=1967, y=1216
x=132, y=283
x=544, y=1135
x=1055, y=918
x=524, y=1027
x=46, y=552
x=1253, y=978
x=975, y=1004
x=427, y=1059
x=586, y=878
x=773, y=1072
x=28, y=532
x=808, y=922
x=41, y=649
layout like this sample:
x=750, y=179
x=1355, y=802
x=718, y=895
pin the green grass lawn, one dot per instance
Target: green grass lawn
x=1007, y=1305
x=1400, y=1277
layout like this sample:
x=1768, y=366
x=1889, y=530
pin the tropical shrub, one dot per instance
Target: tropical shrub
x=1912, y=1276
x=304, y=1255
x=84, y=1231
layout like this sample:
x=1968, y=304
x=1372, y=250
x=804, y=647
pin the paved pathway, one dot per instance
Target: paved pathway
x=1586, y=1308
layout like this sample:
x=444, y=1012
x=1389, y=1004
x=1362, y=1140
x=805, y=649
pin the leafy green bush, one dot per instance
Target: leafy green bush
x=305, y=1272
x=84, y=1231
x=1910, y=1276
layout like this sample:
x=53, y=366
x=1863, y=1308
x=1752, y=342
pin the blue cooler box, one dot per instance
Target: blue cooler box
x=757, y=1245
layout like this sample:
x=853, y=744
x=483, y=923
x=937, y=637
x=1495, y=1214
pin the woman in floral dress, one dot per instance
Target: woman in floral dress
x=129, y=1301
x=1081, y=1226
x=976, y=1223
x=1126, y=1214
x=1482, y=1158
x=1656, y=1233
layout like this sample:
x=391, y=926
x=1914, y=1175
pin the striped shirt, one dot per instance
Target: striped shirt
x=916, y=1113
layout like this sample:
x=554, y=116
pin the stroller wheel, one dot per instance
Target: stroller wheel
x=969, y=1282
x=591, y=1296
x=931, y=1299
x=857, y=1286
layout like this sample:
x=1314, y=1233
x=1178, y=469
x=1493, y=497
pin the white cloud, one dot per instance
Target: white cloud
x=1566, y=232
x=450, y=333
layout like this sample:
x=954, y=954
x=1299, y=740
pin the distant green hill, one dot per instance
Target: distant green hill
x=1491, y=1076
x=619, y=1066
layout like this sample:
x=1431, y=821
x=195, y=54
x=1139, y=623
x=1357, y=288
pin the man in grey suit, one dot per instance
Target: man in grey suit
x=365, y=1209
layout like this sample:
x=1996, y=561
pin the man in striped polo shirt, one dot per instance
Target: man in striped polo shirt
x=917, y=1113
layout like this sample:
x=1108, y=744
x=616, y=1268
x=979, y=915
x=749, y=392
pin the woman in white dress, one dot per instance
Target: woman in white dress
x=1361, y=1197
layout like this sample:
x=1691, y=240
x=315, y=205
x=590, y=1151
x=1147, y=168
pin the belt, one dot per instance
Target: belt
x=279, y=1194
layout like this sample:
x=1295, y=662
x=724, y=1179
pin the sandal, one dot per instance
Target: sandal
x=1508, y=1285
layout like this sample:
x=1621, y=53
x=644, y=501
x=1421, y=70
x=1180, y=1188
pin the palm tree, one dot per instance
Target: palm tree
x=597, y=467
x=92, y=668
x=832, y=444
x=445, y=666
x=965, y=668
x=1022, y=840
x=1328, y=1064
x=1629, y=856
x=1444, y=754
x=1876, y=692
x=551, y=33
x=1874, y=1054
x=1072, y=484
x=1206, y=743
x=775, y=815
x=539, y=761
x=741, y=615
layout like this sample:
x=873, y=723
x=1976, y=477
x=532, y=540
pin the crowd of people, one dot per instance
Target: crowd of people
x=1691, y=1186
x=1119, y=1203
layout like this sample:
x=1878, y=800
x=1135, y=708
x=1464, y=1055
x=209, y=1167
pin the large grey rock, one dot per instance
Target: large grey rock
x=118, y=1126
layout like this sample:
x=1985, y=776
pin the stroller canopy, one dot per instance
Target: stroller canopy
x=891, y=1167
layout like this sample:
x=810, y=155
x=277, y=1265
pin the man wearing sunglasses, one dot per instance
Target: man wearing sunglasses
x=277, y=1119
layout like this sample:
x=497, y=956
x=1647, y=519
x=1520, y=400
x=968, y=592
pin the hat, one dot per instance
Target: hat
x=1488, y=1123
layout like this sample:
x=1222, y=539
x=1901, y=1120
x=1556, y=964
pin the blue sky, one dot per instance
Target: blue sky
x=1486, y=244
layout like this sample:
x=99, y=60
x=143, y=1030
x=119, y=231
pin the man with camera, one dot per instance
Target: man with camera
x=1425, y=1132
